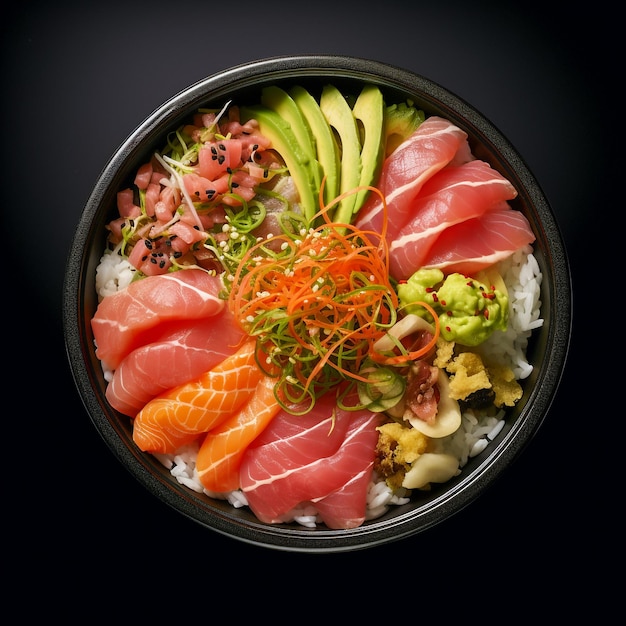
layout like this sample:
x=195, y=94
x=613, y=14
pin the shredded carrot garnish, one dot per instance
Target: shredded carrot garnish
x=317, y=307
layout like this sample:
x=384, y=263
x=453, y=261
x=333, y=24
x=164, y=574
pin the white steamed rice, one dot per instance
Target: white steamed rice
x=113, y=273
x=522, y=277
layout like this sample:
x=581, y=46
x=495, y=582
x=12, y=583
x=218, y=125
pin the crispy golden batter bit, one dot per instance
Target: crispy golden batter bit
x=508, y=391
x=468, y=375
x=397, y=447
x=474, y=382
x=444, y=354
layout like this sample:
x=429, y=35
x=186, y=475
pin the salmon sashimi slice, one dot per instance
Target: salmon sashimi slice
x=452, y=195
x=433, y=145
x=477, y=243
x=298, y=460
x=123, y=320
x=181, y=414
x=220, y=454
x=183, y=351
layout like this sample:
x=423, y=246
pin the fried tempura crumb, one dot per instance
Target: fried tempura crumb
x=445, y=353
x=398, y=446
x=508, y=391
x=468, y=375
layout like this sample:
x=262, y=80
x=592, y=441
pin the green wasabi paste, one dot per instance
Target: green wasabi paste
x=469, y=310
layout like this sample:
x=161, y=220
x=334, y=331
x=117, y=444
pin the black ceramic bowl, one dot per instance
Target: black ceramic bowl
x=547, y=350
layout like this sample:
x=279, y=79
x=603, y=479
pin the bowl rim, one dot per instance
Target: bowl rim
x=404, y=522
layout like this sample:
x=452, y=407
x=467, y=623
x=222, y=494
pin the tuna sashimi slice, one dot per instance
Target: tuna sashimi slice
x=452, y=195
x=123, y=320
x=179, y=415
x=183, y=351
x=477, y=243
x=346, y=507
x=302, y=459
x=434, y=144
x=296, y=440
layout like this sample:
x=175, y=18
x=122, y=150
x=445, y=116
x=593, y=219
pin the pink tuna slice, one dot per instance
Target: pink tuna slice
x=452, y=195
x=346, y=507
x=302, y=459
x=431, y=147
x=126, y=319
x=183, y=351
x=477, y=243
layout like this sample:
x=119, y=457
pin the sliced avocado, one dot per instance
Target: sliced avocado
x=284, y=141
x=339, y=116
x=401, y=121
x=369, y=112
x=325, y=143
x=279, y=100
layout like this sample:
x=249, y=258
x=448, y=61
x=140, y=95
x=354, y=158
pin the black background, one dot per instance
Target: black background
x=76, y=80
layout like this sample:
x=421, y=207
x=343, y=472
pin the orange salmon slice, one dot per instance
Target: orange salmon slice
x=179, y=415
x=219, y=457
